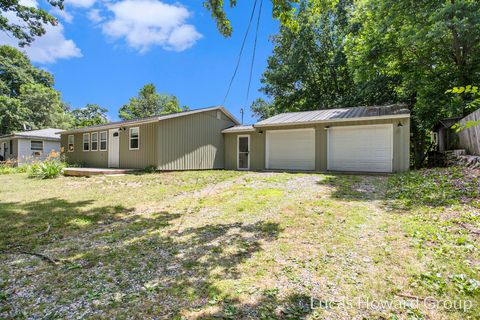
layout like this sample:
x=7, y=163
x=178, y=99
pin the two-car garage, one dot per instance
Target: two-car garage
x=366, y=148
x=363, y=139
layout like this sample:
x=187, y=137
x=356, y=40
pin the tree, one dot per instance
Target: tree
x=12, y=115
x=91, y=114
x=417, y=50
x=45, y=108
x=27, y=96
x=308, y=68
x=283, y=10
x=29, y=22
x=150, y=103
x=262, y=109
x=16, y=70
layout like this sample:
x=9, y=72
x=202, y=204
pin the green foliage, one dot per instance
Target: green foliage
x=150, y=103
x=27, y=95
x=32, y=20
x=47, y=169
x=45, y=108
x=283, y=10
x=308, y=68
x=262, y=109
x=91, y=114
x=470, y=106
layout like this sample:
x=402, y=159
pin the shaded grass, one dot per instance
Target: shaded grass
x=222, y=244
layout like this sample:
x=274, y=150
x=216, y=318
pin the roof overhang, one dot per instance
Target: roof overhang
x=14, y=136
x=387, y=117
x=150, y=120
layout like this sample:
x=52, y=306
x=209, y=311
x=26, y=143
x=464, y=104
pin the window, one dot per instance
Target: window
x=86, y=141
x=103, y=140
x=71, y=141
x=219, y=115
x=134, y=138
x=95, y=141
x=36, y=145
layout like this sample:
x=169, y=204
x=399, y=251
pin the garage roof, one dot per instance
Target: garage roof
x=45, y=134
x=330, y=115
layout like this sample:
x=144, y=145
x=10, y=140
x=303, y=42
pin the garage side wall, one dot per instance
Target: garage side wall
x=192, y=142
x=401, y=144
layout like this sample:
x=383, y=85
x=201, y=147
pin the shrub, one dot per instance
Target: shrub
x=8, y=167
x=47, y=169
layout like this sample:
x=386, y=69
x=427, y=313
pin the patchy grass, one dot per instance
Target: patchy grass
x=233, y=245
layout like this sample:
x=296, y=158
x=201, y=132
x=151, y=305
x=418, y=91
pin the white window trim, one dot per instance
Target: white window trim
x=238, y=151
x=130, y=138
x=91, y=141
x=36, y=141
x=100, y=141
x=83, y=142
x=73, y=143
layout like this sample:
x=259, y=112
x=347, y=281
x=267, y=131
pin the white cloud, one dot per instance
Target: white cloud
x=94, y=15
x=63, y=14
x=146, y=23
x=80, y=3
x=46, y=49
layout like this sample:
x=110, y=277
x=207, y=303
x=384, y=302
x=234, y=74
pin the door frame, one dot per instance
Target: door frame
x=238, y=151
x=267, y=144
x=110, y=142
x=386, y=125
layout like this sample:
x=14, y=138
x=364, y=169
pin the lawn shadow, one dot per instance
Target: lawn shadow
x=117, y=261
x=355, y=187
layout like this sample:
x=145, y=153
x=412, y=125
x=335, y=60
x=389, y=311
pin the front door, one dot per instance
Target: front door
x=113, y=148
x=243, y=153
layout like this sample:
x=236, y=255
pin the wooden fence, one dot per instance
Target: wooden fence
x=469, y=139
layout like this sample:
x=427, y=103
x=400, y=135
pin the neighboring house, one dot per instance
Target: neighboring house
x=368, y=139
x=27, y=146
x=180, y=141
x=364, y=139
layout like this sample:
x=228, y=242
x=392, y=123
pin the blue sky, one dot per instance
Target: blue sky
x=104, y=51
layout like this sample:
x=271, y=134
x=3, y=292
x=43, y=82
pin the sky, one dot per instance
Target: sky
x=104, y=51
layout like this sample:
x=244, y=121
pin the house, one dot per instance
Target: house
x=27, y=146
x=365, y=139
x=369, y=139
x=181, y=141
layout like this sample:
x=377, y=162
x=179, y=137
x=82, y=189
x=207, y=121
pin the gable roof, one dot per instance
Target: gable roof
x=43, y=134
x=331, y=115
x=116, y=124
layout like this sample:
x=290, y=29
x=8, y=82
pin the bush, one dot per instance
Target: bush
x=8, y=167
x=47, y=169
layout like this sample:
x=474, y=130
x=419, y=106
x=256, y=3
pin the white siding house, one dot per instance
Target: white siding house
x=28, y=146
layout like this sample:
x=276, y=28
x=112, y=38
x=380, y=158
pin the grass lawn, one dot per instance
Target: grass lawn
x=238, y=245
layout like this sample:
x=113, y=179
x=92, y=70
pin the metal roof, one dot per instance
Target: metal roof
x=45, y=134
x=240, y=128
x=153, y=119
x=329, y=115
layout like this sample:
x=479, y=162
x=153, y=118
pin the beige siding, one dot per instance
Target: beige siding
x=97, y=159
x=192, y=142
x=146, y=155
x=401, y=144
x=184, y=143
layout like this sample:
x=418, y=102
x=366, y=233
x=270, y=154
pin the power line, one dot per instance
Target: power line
x=254, y=51
x=241, y=51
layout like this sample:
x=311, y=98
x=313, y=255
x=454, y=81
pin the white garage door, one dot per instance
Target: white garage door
x=360, y=148
x=290, y=149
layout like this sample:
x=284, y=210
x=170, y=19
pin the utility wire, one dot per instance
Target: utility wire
x=241, y=51
x=254, y=51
